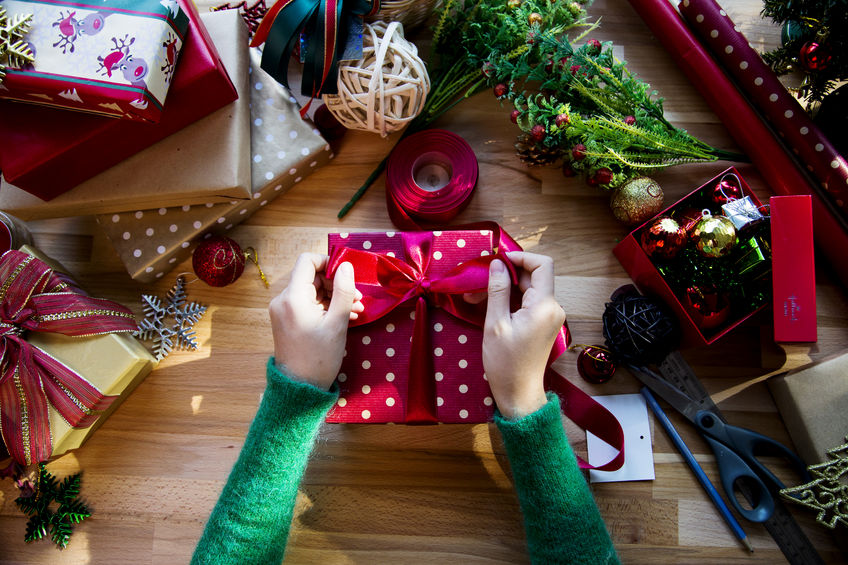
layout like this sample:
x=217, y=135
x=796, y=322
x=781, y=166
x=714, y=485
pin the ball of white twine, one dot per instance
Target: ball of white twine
x=386, y=88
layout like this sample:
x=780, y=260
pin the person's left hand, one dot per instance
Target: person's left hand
x=309, y=320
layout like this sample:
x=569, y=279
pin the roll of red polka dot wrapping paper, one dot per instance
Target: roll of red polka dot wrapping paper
x=756, y=79
x=375, y=371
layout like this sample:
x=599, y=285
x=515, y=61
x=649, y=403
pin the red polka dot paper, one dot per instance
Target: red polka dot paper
x=762, y=86
x=375, y=371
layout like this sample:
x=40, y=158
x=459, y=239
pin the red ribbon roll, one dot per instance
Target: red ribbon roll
x=430, y=176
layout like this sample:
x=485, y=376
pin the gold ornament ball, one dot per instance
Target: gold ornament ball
x=714, y=236
x=534, y=18
x=636, y=201
x=514, y=4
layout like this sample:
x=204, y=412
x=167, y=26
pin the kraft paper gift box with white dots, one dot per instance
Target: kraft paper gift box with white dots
x=374, y=376
x=284, y=150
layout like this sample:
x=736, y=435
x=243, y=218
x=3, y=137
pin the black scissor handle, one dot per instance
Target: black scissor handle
x=749, y=445
x=733, y=469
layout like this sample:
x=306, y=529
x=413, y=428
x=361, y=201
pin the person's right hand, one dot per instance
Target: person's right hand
x=516, y=346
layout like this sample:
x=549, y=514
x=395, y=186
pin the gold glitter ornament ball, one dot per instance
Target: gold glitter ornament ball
x=636, y=201
x=714, y=236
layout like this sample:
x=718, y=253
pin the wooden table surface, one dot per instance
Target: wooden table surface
x=398, y=494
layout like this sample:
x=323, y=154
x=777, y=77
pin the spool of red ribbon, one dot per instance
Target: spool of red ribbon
x=430, y=176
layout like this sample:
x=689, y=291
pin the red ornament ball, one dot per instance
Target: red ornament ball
x=663, y=238
x=500, y=90
x=537, y=132
x=814, y=56
x=595, y=364
x=707, y=307
x=726, y=190
x=218, y=261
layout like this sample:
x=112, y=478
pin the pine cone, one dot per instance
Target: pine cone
x=534, y=155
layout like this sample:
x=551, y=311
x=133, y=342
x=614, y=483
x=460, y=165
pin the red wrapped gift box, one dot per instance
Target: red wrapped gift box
x=114, y=59
x=414, y=354
x=47, y=151
x=374, y=376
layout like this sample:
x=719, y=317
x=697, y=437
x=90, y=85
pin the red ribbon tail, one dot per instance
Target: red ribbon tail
x=265, y=25
x=587, y=413
x=421, y=391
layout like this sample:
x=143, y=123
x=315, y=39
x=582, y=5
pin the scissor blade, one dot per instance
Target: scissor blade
x=678, y=373
x=667, y=391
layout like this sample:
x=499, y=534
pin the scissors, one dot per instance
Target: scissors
x=736, y=449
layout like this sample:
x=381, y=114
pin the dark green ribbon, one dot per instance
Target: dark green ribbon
x=325, y=24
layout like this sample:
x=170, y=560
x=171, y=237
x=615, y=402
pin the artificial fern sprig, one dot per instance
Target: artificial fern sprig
x=38, y=506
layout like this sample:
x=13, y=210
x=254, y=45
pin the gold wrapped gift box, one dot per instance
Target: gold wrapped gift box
x=114, y=363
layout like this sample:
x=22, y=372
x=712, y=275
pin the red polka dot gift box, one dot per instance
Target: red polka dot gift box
x=414, y=355
x=374, y=381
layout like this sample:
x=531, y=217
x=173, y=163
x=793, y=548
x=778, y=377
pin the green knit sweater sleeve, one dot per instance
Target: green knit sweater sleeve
x=561, y=519
x=250, y=523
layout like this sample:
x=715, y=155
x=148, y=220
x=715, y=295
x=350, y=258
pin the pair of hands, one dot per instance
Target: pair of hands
x=309, y=321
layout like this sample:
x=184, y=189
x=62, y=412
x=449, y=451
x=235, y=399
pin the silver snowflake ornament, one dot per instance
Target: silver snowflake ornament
x=168, y=336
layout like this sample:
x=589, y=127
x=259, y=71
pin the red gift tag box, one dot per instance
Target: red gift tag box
x=375, y=371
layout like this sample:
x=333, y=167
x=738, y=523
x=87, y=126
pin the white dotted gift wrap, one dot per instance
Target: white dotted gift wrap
x=284, y=150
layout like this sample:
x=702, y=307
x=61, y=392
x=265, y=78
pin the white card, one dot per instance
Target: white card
x=632, y=413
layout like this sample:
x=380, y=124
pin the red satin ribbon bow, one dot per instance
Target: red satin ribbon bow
x=34, y=298
x=388, y=282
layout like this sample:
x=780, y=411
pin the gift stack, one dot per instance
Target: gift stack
x=283, y=149
x=154, y=185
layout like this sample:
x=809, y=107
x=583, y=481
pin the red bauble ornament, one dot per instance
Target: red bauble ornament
x=537, y=132
x=578, y=152
x=500, y=90
x=814, y=56
x=663, y=238
x=595, y=364
x=218, y=261
x=707, y=307
x=726, y=190
x=513, y=116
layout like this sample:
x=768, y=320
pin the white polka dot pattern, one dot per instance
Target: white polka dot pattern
x=285, y=149
x=758, y=81
x=460, y=391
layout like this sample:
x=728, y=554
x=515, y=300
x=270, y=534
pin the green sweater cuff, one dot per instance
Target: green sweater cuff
x=561, y=519
x=251, y=520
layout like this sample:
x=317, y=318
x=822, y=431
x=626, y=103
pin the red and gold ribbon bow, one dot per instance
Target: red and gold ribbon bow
x=388, y=282
x=34, y=298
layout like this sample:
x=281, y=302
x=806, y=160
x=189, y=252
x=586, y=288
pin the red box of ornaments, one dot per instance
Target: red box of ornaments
x=708, y=257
